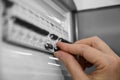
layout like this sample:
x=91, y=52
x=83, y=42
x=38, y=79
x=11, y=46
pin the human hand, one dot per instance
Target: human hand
x=94, y=51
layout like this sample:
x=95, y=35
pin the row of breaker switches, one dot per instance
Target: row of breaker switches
x=24, y=33
x=40, y=31
x=36, y=29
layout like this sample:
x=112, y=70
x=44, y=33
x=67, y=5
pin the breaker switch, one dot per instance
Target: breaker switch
x=48, y=46
x=53, y=36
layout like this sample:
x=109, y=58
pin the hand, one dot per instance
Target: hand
x=94, y=51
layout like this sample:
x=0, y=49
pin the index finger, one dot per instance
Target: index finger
x=97, y=43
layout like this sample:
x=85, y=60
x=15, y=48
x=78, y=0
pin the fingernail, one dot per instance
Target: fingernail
x=59, y=42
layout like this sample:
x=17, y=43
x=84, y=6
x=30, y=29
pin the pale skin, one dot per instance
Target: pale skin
x=96, y=52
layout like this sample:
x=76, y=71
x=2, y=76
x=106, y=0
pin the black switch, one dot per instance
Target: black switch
x=63, y=40
x=53, y=36
x=48, y=46
x=56, y=48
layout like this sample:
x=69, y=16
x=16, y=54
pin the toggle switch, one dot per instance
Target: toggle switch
x=48, y=46
x=53, y=36
x=63, y=40
x=56, y=48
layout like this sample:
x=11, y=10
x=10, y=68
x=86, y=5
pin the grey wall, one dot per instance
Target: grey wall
x=92, y=4
x=104, y=23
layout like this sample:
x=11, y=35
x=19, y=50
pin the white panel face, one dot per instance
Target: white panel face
x=37, y=25
x=91, y=4
x=29, y=31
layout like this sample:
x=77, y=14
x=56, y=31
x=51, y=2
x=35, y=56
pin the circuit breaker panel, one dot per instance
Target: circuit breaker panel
x=36, y=26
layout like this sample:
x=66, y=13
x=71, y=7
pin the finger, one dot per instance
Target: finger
x=96, y=43
x=92, y=55
x=72, y=65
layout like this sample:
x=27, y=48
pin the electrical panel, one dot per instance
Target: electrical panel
x=36, y=26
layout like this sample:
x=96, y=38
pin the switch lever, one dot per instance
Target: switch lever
x=53, y=36
x=62, y=40
x=48, y=46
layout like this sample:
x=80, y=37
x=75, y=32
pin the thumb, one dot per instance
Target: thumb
x=72, y=65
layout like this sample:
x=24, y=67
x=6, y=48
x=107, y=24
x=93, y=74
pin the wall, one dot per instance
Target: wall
x=90, y=4
x=104, y=23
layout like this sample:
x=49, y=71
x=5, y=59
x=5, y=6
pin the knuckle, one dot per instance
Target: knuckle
x=84, y=49
x=84, y=46
x=96, y=41
x=96, y=38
